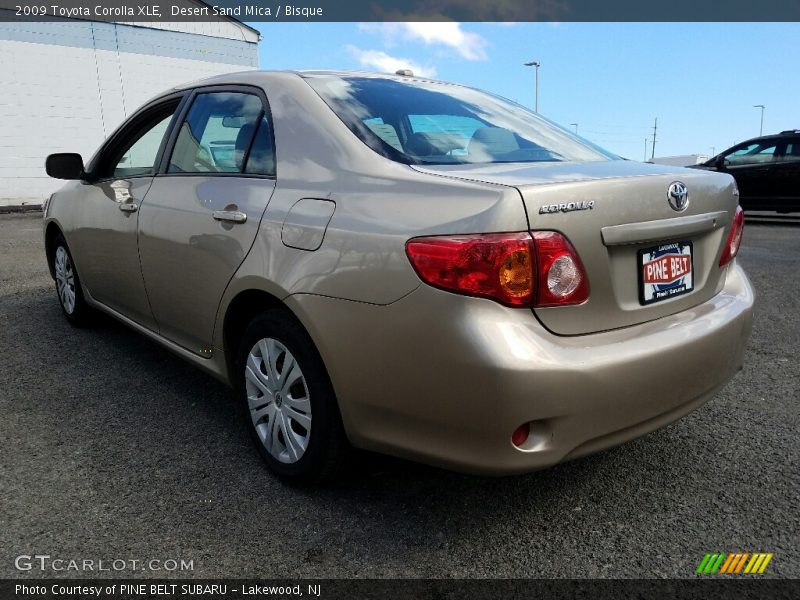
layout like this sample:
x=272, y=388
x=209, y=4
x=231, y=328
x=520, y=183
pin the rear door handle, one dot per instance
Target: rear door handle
x=128, y=207
x=232, y=216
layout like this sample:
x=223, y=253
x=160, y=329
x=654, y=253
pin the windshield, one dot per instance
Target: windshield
x=427, y=122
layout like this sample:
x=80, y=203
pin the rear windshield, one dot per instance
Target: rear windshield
x=426, y=122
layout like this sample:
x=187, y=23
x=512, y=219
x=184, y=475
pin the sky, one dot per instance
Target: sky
x=700, y=80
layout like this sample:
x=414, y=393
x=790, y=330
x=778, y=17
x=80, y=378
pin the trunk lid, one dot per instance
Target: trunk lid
x=611, y=212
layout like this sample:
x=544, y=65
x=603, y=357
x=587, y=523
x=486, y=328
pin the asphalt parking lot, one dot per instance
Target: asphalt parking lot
x=114, y=448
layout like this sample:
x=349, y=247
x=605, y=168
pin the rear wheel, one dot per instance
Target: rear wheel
x=291, y=410
x=68, y=284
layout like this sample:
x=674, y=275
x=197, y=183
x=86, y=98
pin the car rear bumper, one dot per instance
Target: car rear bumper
x=445, y=379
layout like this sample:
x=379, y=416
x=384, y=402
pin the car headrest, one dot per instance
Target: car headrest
x=243, y=139
x=492, y=141
x=433, y=143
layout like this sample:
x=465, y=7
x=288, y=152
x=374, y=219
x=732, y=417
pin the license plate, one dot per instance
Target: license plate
x=665, y=272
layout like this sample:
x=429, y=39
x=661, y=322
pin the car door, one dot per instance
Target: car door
x=106, y=241
x=203, y=210
x=786, y=171
x=751, y=165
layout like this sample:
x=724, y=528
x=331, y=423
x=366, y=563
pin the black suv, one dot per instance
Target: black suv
x=766, y=169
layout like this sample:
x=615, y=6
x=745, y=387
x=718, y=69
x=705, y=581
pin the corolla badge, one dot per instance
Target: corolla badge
x=566, y=207
x=678, y=196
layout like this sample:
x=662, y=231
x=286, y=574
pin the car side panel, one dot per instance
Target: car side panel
x=379, y=205
x=188, y=257
x=103, y=242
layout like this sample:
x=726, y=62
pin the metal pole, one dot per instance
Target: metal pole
x=655, y=129
x=537, y=64
x=761, y=127
x=575, y=125
x=645, y=150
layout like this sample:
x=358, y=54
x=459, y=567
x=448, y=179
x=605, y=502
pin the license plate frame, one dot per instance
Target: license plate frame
x=650, y=291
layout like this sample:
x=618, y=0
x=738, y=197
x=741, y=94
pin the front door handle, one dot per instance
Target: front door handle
x=232, y=216
x=128, y=207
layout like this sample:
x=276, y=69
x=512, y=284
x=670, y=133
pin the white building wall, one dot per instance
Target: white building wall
x=68, y=85
x=684, y=160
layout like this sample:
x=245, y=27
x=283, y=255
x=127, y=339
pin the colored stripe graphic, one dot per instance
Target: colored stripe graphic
x=703, y=563
x=734, y=563
x=728, y=562
x=740, y=564
x=718, y=563
x=764, y=564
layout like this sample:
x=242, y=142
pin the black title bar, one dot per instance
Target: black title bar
x=712, y=588
x=403, y=10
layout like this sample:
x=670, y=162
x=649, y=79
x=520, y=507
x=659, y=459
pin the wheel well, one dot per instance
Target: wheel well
x=244, y=308
x=50, y=235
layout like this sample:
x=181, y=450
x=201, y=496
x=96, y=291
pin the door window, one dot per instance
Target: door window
x=751, y=154
x=140, y=158
x=224, y=132
x=134, y=153
x=792, y=152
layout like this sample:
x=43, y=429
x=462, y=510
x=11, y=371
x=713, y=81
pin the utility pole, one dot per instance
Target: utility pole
x=655, y=130
x=575, y=125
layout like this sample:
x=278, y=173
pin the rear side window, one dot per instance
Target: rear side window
x=224, y=132
x=793, y=151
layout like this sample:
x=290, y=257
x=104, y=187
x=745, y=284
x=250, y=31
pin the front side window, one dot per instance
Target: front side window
x=427, y=122
x=224, y=132
x=751, y=153
x=136, y=155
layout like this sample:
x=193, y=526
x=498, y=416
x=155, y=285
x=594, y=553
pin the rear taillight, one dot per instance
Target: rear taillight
x=734, y=240
x=540, y=268
x=561, y=277
x=497, y=266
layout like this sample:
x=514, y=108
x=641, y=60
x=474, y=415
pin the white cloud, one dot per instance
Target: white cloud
x=470, y=46
x=386, y=63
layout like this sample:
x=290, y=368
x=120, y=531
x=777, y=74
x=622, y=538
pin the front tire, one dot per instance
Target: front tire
x=289, y=404
x=68, y=284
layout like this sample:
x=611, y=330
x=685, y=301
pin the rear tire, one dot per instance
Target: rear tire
x=68, y=284
x=288, y=401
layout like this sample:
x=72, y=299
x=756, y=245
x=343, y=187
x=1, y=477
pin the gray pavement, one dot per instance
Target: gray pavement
x=112, y=448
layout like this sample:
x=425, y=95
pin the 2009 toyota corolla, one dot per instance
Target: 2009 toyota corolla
x=407, y=266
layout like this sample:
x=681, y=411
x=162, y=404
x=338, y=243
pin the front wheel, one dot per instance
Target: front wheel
x=68, y=284
x=291, y=410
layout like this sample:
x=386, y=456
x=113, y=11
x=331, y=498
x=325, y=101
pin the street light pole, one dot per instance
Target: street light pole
x=575, y=125
x=761, y=128
x=537, y=64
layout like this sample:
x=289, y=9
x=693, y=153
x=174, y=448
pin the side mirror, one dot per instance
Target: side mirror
x=719, y=162
x=65, y=166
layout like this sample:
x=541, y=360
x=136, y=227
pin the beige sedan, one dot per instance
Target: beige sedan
x=406, y=266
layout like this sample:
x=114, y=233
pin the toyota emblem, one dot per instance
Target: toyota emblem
x=678, y=196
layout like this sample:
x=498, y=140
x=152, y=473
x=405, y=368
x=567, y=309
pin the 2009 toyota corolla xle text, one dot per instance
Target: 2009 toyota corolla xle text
x=406, y=266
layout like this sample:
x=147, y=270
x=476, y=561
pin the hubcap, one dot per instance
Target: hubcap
x=65, y=280
x=278, y=399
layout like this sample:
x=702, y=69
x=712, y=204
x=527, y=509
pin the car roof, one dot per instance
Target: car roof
x=256, y=76
x=773, y=136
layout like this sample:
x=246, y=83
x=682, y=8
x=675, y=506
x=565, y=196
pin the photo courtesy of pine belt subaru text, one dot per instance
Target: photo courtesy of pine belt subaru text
x=406, y=266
